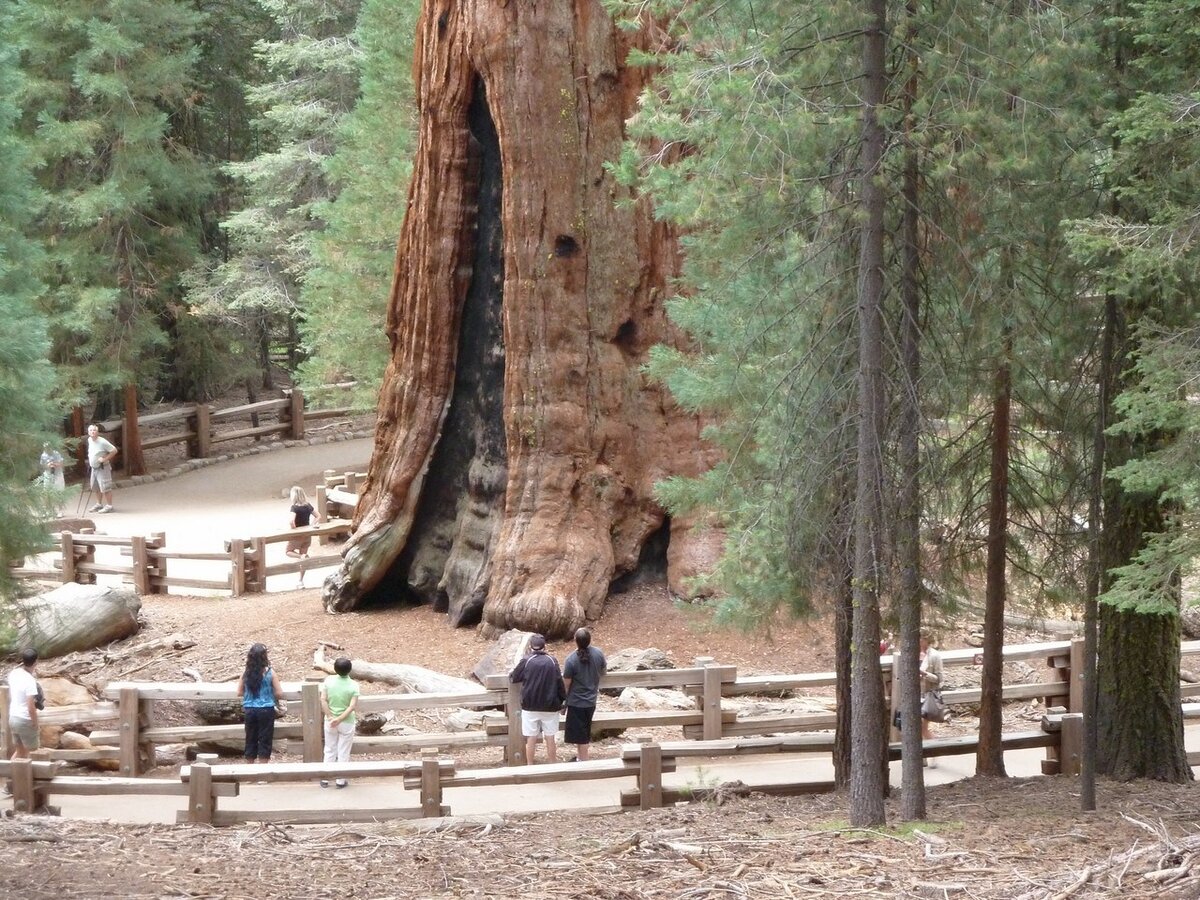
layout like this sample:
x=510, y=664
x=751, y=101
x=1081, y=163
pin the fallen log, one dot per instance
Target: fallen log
x=73, y=617
x=410, y=679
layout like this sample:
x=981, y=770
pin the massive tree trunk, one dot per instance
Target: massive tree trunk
x=518, y=442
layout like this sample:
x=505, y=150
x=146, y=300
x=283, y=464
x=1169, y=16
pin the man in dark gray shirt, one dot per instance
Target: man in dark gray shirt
x=581, y=673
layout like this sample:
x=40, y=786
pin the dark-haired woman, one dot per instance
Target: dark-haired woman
x=259, y=688
x=581, y=674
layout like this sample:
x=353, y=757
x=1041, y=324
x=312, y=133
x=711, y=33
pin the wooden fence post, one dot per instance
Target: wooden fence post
x=322, y=511
x=22, y=785
x=201, y=429
x=128, y=712
x=515, y=748
x=86, y=555
x=201, y=801
x=350, y=482
x=712, y=703
x=257, y=581
x=650, y=789
x=312, y=721
x=141, y=565
x=296, y=414
x=431, y=783
x=68, y=558
x=131, y=459
x=237, y=566
x=6, y=738
x=1075, y=679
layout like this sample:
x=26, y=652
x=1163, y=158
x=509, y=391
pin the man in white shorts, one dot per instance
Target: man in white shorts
x=542, y=696
x=100, y=456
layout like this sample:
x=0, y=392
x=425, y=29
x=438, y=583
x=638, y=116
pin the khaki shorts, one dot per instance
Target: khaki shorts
x=102, y=479
x=23, y=731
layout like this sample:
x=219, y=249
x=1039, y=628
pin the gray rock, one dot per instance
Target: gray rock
x=633, y=660
x=506, y=651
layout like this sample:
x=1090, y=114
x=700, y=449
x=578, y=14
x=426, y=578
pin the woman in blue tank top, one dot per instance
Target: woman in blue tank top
x=259, y=687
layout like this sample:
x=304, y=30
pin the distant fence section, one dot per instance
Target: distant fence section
x=200, y=427
x=150, y=566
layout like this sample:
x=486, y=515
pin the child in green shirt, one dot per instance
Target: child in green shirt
x=339, y=697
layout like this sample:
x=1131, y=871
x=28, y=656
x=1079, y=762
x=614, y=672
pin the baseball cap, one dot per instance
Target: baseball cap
x=537, y=642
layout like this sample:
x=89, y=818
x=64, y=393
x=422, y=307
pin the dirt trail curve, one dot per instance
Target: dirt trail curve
x=201, y=509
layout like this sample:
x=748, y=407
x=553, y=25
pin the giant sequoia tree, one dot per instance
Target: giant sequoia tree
x=518, y=442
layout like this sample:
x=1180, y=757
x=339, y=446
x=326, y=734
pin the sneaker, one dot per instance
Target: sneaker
x=324, y=783
x=97, y=508
x=106, y=508
x=342, y=782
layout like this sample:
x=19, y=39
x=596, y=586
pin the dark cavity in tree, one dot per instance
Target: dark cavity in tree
x=565, y=246
x=652, y=561
x=464, y=489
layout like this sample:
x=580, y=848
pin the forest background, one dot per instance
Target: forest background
x=940, y=280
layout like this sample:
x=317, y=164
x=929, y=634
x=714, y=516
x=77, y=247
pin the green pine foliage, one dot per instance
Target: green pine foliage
x=108, y=85
x=344, y=299
x=27, y=379
x=1145, y=253
x=310, y=83
x=745, y=143
x=749, y=142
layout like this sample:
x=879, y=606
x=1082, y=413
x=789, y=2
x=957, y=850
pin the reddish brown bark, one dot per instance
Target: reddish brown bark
x=518, y=442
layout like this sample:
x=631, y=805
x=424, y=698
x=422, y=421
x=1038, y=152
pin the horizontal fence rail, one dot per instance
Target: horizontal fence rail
x=201, y=427
x=716, y=733
x=145, y=562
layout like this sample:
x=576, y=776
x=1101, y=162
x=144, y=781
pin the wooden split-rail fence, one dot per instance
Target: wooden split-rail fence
x=709, y=732
x=200, y=427
x=241, y=567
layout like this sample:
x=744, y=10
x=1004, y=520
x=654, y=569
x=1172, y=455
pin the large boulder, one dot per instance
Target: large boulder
x=1190, y=622
x=74, y=617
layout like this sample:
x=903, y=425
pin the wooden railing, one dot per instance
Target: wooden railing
x=718, y=734
x=241, y=568
x=200, y=427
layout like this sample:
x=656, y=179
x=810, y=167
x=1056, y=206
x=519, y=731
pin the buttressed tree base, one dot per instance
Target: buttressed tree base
x=518, y=441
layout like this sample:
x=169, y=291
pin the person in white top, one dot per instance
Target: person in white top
x=22, y=705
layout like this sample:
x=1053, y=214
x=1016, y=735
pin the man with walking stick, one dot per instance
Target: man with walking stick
x=100, y=456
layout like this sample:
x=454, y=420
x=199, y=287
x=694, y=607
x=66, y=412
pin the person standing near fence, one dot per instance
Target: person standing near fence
x=303, y=515
x=100, y=453
x=339, y=697
x=581, y=675
x=260, y=690
x=932, y=671
x=542, y=696
x=51, y=463
x=23, y=705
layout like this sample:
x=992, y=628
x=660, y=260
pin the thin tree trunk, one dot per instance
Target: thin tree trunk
x=868, y=738
x=905, y=667
x=1091, y=615
x=843, y=612
x=989, y=757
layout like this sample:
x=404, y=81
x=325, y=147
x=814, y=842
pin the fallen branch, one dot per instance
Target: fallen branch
x=410, y=679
